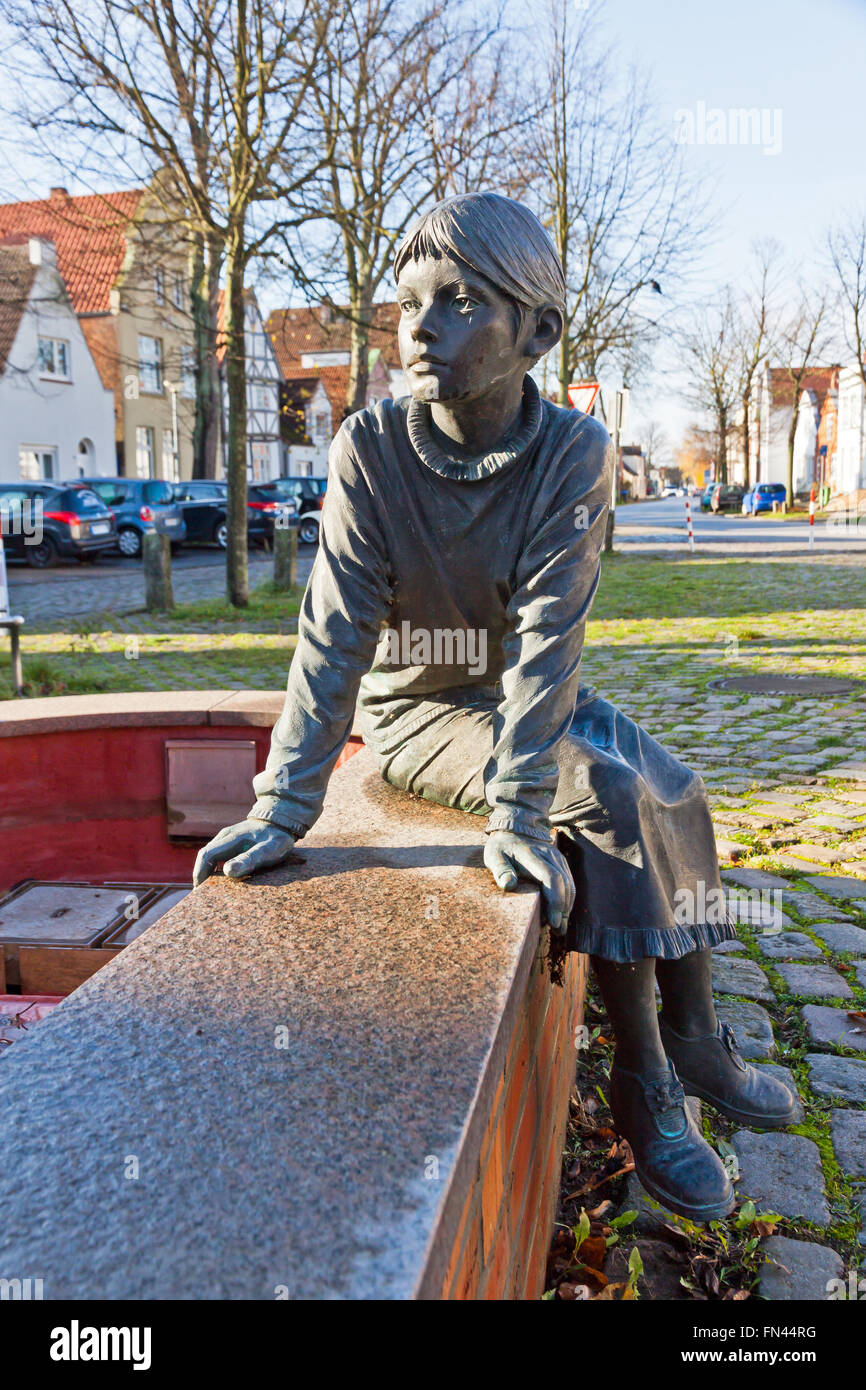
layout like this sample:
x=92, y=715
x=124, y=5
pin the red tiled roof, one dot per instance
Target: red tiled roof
x=101, y=335
x=296, y=331
x=16, y=282
x=89, y=233
x=820, y=380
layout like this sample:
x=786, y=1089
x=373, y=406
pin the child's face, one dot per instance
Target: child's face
x=458, y=336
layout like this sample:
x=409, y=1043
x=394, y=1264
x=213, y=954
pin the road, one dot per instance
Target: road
x=660, y=527
x=72, y=590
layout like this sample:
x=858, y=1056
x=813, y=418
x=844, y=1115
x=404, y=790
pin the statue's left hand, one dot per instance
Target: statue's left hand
x=510, y=856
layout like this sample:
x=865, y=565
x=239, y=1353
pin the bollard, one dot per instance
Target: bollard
x=691, y=534
x=156, y=558
x=285, y=557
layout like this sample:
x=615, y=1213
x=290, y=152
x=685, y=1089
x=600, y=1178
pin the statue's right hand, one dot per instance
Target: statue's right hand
x=243, y=849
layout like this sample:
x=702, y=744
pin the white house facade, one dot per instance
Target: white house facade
x=57, y=417
x=850, y=473
x=311, y=460
x=264, y=452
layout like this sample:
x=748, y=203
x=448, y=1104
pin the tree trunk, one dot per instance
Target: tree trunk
x=359, y=362
x=564, y=369
x=723, y=446
x=237, y=575
x=204, y=282
x=792, y=435
x=747, y=403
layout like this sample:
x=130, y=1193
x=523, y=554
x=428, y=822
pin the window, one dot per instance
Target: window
x=54, y=358
x=36, y=462
x=262, y=397
x=158, y=494
x=321, y=428
x=187, y=373
x=144, y=451
x=150, y=365
x=112, y=493
x=178, y=294
x=159, y=285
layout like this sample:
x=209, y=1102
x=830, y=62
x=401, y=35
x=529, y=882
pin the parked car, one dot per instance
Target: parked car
x=309, y=494
x=204, y=505
x=140, y=505
x=726, y=497
x=707, y=496
x=761, y=497
x=42, y=522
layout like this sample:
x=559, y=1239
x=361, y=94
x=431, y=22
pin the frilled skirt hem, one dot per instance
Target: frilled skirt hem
x=623, y=944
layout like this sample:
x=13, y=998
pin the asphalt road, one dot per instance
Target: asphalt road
x=660, y=526
x=72, y=590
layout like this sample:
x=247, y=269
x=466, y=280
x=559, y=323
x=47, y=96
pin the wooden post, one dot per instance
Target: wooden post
x=156, y=558
x=285, y=557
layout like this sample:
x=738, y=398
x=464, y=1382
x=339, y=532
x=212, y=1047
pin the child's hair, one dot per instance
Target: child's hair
x=497, y=237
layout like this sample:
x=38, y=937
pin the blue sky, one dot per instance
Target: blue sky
x=806, y=61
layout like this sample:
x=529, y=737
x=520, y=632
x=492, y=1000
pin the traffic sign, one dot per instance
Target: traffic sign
x=582, y=395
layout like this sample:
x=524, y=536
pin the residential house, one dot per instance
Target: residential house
x=633, y=471
x=313, y=347
x=124, y=264
x=827, y=441
x=776, y=405
x=264, y=379
x=850, y=475
x=58, y=416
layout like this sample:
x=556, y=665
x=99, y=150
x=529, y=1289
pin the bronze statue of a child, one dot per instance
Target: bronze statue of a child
x=458, y=560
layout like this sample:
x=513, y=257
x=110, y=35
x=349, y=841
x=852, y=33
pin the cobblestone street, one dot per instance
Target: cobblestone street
x=76, y=591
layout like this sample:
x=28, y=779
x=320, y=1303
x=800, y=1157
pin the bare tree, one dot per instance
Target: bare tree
x=754, y=329
x=609, y=182
x=655, y=444
x=207, y=95
x=847, y=247
x=398, y=100
x=712, y=357
x=801, y=341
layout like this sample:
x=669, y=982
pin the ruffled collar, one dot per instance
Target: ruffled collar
x=473, y=469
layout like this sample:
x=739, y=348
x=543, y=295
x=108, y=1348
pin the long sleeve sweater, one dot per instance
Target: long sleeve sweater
x=435, y=576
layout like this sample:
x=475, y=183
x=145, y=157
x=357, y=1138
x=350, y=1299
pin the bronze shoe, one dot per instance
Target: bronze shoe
x=712, y=1068
x=672, y=1159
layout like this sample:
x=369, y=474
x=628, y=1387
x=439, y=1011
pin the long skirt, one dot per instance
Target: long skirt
x=638, y=833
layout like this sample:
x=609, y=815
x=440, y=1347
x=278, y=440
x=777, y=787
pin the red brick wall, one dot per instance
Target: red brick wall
x=90, y=803
x=503, y=1236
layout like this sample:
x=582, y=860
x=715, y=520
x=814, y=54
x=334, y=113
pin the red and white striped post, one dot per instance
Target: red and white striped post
x=812, y=517
x=689, y=523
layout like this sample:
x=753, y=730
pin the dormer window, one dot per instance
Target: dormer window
x=54, y=359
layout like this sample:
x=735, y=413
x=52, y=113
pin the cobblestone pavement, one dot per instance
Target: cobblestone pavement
x=75, y=591
x=787, y=784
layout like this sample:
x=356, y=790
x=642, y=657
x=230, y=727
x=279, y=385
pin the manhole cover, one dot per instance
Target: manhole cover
x=788, y=685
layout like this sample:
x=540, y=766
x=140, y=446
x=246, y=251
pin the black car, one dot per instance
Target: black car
x=727, y=497
x=203, y=504
x=309, y=494
x=42, y=522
